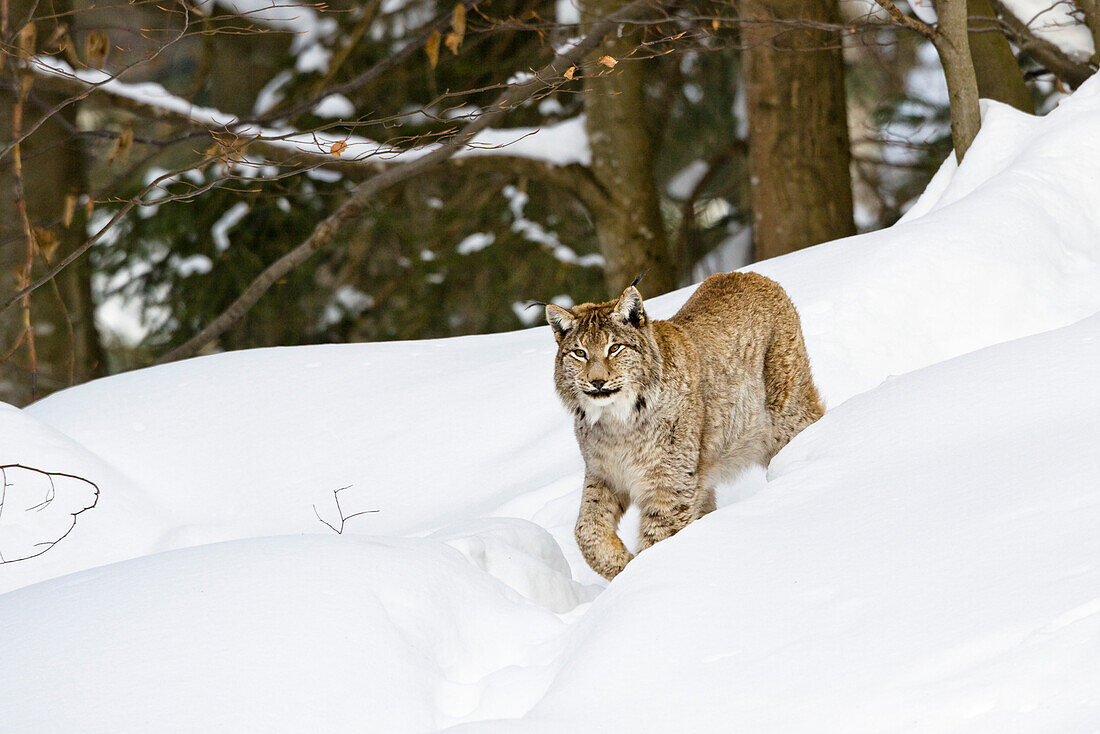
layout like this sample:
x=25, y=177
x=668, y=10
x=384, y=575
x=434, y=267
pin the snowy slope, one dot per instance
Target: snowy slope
x=922, y=559
x=47, y=496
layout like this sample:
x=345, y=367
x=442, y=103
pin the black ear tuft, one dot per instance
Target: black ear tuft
x=629, y=307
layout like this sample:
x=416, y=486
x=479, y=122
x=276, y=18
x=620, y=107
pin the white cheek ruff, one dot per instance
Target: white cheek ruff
x=618, y=407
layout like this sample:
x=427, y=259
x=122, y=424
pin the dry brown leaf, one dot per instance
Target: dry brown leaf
x=48, y=242
x=570, y=72
x=607, y=61
x=431, y=47
x=338, y=147
x=96, y=48
x=458, y=24
x=453, y=41
x=230, y=148
x=69, y=210
x=714, y=25
x=123, y=145
x=458, y=20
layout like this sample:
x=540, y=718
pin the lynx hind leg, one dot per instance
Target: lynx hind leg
x=597, y=529
x=792, y=398
x=706, y=502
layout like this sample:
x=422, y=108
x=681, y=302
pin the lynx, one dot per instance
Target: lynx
x=665, y=410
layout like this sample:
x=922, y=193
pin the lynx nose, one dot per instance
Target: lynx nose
x=598, y=384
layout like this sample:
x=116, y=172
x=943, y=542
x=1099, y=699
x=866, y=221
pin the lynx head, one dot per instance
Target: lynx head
x=607, y=356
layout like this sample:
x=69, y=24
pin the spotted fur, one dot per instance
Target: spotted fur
x=664, y=410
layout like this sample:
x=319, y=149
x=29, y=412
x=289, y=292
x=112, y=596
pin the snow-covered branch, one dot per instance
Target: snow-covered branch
x=1057, y=40
x=550, y=76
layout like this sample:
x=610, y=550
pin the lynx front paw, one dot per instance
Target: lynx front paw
x=611, y=560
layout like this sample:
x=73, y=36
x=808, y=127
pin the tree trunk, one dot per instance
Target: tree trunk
x=54, y=168
x=799, y=151
x=999, y=75
x=1091, y=10
x=953, y=46
x=632, y=231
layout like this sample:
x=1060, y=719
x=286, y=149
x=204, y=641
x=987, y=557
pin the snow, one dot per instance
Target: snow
x=475, y=242
x=560, y=143
x=271, y=94
x=568, y=12
x=925, y=10
x=334, y=106
x=300, y=18
x=923, y=559
x=534, y=232
x=1058, y=22
x=313, y=58
x=219, y=231
x=41, y=509
x=684, y=182
x=195, y=265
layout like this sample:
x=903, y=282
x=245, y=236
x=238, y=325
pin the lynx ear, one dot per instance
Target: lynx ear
x=629, y=307
x=560, y=320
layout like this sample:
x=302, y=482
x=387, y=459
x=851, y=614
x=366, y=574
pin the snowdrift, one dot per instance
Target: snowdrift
x=922, y=559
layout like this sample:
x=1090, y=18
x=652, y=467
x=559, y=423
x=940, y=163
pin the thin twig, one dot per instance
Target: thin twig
x=24, y=79
x=343, y=518
x=325, y=232
x=4, y=484
x=909, y=22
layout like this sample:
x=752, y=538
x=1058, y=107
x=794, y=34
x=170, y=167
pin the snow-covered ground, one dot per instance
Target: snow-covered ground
x=923, y=559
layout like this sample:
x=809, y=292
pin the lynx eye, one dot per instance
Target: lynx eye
x=579, y=354
x=614, y=349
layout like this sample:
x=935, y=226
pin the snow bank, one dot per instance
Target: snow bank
x=51, y=500
x=278, y=634
x=1007, y=245
x=922, y=559
x=435, y=432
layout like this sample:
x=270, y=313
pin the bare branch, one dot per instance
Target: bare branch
x=76, y=98
x=343, y=518
x=395, y=59
x=325, y=232
x=4, y=484
x=908, y=21
x=24, y=79
x=1074, y=73
x=121, y=213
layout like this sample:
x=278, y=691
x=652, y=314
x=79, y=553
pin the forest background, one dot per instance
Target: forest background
x=184, y=177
